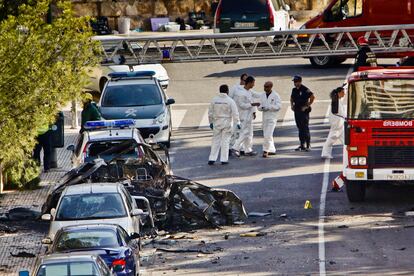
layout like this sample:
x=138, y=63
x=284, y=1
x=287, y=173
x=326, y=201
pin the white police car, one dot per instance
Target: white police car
x=138, y=96
x=107, y=140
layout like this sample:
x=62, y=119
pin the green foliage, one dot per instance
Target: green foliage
x=42, y=68
x=10, y=7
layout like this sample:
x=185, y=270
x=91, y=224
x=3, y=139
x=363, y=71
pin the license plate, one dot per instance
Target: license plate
x=244, y=25
x=398, y=177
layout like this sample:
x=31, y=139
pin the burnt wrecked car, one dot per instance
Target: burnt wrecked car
x=176, y=203
x=145, y=176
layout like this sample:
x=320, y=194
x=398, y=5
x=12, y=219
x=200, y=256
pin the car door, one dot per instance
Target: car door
x=133, y=244
x=131, y=205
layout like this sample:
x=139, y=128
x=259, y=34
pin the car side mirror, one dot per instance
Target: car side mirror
x=47, y=241
x=71, y=148
x=46, y=217
x=135, y=236
x=335, y=104
x=170, y=101
x=137, y=212
x=24, y=273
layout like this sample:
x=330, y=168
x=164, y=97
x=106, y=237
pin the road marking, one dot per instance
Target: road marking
x=207, y=104
x=204, y=121
x=322, y=205
x=327, y=115
x=321, y=224
x=289, y=119
x=178, y=117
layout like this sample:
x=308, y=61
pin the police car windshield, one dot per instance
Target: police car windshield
x=108, y=149
x=381, y=99
x=131, y=95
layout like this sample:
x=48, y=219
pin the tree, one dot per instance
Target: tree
x=42, y=68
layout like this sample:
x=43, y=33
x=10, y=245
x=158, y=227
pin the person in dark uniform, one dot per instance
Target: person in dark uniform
x=90, y=111
x=301, y=101
x=365, y=56
x=44, y=141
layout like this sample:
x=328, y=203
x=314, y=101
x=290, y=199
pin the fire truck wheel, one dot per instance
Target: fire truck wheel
x=355, y=190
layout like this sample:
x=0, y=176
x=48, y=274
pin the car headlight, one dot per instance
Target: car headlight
x=362, y=161
x=160, y=119
x=359, y=161
x=354, y=161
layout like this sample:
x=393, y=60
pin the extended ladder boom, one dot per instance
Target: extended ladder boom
x=230, y=47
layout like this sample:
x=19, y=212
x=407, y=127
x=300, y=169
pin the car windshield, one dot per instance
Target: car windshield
x=68, y=269
x=109, y=149
x=84, y=239
x=244, y=6
x=131, y=95
x=91, y=206
x=381, y=99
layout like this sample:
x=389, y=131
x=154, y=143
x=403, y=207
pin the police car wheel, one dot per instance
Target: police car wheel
x=321, y=62
x=355, y=190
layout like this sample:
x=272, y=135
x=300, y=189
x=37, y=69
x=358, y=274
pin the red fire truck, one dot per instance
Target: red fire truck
x=379, y=129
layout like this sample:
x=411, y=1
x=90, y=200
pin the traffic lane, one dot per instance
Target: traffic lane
x=199, y=82
x=373, y=237
x=280, y=184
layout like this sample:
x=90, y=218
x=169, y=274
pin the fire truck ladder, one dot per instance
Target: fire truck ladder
x=231, y=47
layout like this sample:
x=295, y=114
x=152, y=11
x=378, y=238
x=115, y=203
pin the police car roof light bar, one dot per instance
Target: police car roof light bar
x=107, y=124
x=138, y=74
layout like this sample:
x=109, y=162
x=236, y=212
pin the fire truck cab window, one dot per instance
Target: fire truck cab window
x=381, y=99
x=344, y=9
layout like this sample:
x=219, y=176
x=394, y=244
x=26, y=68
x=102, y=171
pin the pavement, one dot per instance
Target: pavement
x=334, y=237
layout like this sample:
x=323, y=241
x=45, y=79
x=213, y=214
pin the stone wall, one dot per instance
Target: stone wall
x=140, y=11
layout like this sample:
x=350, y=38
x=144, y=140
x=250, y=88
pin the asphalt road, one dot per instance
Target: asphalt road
x=371, y=238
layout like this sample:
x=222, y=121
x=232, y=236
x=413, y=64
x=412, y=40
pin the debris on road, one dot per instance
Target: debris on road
x=409, y=214
x=343, y=226
x=200, y=251
x=259, y=214
x=283, y=216
x=23, y=254
x=4, y=229
x=20, y=214
x=253, y=234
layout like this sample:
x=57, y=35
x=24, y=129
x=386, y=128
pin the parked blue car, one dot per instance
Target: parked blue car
x=111, y=242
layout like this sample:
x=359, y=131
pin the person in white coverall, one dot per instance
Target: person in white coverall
x=336, y=133
x=270, y=104
x=222, y=114
x=246, y=106
x=233, y=94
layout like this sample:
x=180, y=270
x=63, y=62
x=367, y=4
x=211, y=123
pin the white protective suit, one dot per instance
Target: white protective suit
x=244, y=100
x=234, y=91
x=270, y=107
x=222, y=113
x=336, y=133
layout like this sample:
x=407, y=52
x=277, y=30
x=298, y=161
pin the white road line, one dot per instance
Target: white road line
x=327, y=115
x=322, y=205
x=207, y=104
x=204, y=121
x=289, y=119
x=321, y=224
x=178, y=117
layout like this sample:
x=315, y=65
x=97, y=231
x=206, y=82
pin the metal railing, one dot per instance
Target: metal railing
x=230, y=47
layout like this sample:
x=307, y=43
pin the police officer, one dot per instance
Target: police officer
x=90, y=111
x=222, y=114
x=44, y=141
x=365, y=56
x=301, y=100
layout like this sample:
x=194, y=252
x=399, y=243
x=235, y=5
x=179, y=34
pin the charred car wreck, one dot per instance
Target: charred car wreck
x=176, y=203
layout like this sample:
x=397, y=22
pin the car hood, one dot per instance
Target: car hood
x=132, y=112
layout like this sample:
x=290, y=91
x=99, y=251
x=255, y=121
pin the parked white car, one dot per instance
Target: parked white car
x=99, y=76
x=96, y=203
